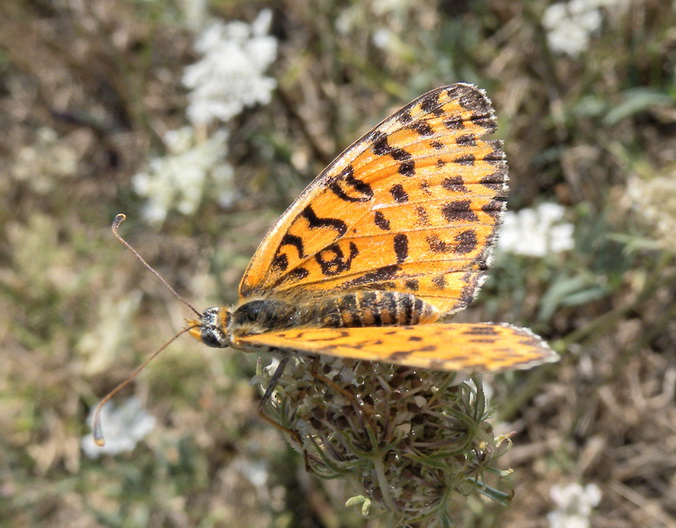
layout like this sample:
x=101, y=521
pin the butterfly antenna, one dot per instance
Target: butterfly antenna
x=121, y=217
x=96, y=422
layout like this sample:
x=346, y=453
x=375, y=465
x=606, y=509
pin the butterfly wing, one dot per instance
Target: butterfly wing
x=412, y=206
x=458, y=346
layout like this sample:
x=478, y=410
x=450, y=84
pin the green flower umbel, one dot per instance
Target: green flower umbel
x=414, y=440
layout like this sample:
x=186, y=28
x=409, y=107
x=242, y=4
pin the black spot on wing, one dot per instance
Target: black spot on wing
x=377, y=275
x=496, y=183
x=466, y=241
x=405, y=116
x=350, y=189
x=472, y=99
x=454, y=184
x=466, y=140
x=430, y=104
x=466, y=160
x=382, y=148
x=398, y=193
x=401, y=247
x=485, y=120
x=333, y=261
x=437, y=245
x=423, y=216
x=380, y=220
x=298, y=273
x=401, y=354
x=439, y=281
x=412, y=284
x=470, y=281
x=295, y=241
x=493, y=208
x=407, y=168
x=484, y=330
x=459, y=211
x=316, y=222
x=423, y=128
x=453, y=123
x=281, y=262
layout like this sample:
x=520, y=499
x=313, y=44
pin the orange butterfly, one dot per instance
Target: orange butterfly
x=384, y=246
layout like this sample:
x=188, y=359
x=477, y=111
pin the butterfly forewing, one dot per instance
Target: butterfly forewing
x=412, y=206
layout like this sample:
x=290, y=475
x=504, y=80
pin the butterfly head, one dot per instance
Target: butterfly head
x=212, y=329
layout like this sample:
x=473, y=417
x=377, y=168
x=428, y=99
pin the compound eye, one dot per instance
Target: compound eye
x=212, y=338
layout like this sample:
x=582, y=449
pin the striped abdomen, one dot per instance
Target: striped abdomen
x=375, y=308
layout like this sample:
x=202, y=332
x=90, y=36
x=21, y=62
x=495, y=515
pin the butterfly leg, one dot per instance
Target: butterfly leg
x=274, y=380
x=272, y=384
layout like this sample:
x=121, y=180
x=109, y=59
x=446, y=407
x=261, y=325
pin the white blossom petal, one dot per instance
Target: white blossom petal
x=536, y=232
x=574, y=505
x=123, y=426
x=180, y=179
x=230, y=75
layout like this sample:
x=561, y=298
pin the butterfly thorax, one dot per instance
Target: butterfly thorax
x=221, y=327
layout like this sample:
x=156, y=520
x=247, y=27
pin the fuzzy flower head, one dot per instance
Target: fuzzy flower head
x=125, y=426
x=230, y=75
x=46, y=163
x=574, y=504
x=536, y=232
x=654, y=202
x=414, y=440
x=570, y=25
x=188, y=172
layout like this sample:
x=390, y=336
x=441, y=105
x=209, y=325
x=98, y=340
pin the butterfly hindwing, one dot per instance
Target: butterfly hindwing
x=412, y=206
x=451, y=347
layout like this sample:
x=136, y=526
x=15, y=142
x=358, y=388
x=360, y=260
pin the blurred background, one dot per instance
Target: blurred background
x=202, y=120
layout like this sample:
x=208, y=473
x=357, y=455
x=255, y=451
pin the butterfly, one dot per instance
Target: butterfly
x=375, y=256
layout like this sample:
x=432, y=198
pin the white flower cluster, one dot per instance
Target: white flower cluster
x=570, y=25
x=123, y=426
x=574, y=504
x=181, y=178
x=654, y=200
x=230, y=75
x=536, y=232
x=227, y=79
x=44, y=164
